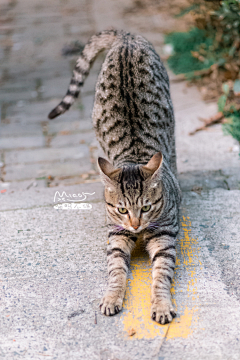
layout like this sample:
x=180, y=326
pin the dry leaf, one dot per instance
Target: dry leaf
x=85, y=176
x=131, y=332
x=64, y=132
x=215, y=119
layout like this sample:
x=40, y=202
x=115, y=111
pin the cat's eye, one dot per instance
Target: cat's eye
x=146, y=208
x=122, y=210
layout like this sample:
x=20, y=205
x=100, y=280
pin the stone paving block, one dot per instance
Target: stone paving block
x=62, y=124
x=32, y=6
x=188, y=120
x=20, y=130
x=72, y=140
x=22, y=142
x=185, y=97
x=156, y=38
x=27, y=50
x=86, y=105
x=87, y=178
x=232, y=177
x=78, y=30
x=47, y=155
x=20, y=84
x=14, y=96
x=13, y=186
x=90, y=83
x=26, y=112
x=40, y=33
x=38, y=170
x=72, y=115
x=105, y=14
x=51, y=65
x=75, y=5
x=97, y=151
x=206, y=150
x=47, y=65
x=85, y=101
x=35, y=197
x=56, y=87
x=194, y=151
x=202, y=180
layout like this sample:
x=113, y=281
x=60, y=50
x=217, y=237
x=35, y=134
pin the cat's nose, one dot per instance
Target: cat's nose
x=135, y=223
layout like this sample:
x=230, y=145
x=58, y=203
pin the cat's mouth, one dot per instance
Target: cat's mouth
x=139, y=229
x=135, y=231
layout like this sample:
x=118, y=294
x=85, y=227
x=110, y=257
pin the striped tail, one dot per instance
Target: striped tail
x=95, y=45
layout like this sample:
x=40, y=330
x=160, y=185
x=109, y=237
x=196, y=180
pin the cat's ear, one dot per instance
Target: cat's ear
x=154, y=165
x=109, y=173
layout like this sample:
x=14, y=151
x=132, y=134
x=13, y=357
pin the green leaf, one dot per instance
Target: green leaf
x=222, y=102
x=187, y=10
x=225, y=88
x=236, y=86
x=232, y=127
x=221, y=62
x=232, y=51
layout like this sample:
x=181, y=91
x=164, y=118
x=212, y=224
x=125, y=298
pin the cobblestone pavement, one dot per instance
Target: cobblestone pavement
x=53, y=266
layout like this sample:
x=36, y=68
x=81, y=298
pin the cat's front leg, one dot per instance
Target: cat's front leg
x=118, y=259
x=161, y=248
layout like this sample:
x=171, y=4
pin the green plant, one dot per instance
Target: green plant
x=232, y=126
x=213, y=45
x=229, y=105
x=214, y=40
x=184, y=45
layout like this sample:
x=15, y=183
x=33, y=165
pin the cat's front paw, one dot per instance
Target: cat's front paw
x=111, y=304
x=162, y=311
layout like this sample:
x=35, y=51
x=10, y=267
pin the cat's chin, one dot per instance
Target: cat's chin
x=135, y=231
x=130, y=228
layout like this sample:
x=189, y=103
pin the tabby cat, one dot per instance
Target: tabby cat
x=134, y=123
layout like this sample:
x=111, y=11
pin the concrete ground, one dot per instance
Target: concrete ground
x=53, y=261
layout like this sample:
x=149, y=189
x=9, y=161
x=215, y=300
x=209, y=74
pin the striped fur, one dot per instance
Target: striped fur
x=134, y=123
x=95, y=45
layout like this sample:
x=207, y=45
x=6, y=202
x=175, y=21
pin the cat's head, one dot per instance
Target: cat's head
x=133, y=193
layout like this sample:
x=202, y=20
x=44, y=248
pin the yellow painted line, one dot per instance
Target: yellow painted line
x=137, y=302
